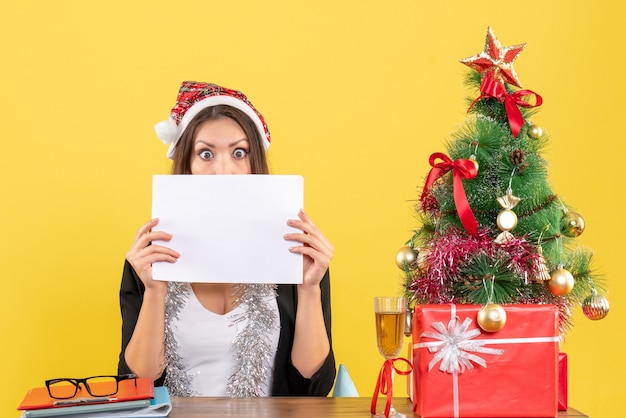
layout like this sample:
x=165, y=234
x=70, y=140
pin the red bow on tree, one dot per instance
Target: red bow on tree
x=461, y=169
x=493, y=88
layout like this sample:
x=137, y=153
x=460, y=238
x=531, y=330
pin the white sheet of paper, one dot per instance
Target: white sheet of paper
x=228, y=228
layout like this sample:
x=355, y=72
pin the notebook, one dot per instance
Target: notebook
x=87, y=409
x=38, y=398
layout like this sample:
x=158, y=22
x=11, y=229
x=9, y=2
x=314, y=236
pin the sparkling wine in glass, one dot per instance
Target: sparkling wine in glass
x=390, y=312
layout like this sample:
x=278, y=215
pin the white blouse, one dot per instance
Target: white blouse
x=204, y=343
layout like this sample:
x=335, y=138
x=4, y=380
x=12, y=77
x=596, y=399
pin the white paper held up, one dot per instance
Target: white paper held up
x=228, y=228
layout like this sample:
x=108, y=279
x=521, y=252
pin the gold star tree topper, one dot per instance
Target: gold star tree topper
x=495, y=60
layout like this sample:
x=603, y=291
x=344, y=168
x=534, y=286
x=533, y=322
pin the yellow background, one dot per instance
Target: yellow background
x=357, y=95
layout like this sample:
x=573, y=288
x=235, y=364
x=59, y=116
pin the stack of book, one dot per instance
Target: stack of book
x=135, y=398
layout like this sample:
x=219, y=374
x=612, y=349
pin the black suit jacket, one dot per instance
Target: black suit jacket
x=287, y=379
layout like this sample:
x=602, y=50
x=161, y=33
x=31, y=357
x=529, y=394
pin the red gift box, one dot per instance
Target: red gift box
x=562, y=391
x=460, y=370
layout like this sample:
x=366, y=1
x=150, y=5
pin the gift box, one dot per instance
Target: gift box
x=562, y=390
x=459, y=370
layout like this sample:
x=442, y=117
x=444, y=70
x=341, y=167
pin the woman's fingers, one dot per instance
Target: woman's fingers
x=144, y=252
x=154, y=253
x=310, y=235
x=147, y=227
x=318, y=251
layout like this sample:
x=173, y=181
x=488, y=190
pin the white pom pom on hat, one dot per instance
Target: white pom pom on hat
x=167, y=131
x=195, y=96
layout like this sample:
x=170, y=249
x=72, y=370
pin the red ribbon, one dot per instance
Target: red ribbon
x=493, y=88
x=384, y=384
x=461, y=169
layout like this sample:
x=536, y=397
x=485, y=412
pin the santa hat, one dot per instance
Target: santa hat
x=192, y=98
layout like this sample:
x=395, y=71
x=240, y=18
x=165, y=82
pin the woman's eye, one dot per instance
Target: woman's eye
x=240, y=153
x=206, y=154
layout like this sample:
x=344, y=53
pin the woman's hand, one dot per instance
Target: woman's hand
x=141, y=254
x=144, y=353
x=316, y=249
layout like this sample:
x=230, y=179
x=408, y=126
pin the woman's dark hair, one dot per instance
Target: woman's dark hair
x=185, y=147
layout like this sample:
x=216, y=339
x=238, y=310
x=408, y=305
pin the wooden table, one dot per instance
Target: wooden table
x=278, y=407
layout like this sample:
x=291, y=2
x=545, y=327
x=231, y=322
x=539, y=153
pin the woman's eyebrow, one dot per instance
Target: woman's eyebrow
x=204, y=143
x=238, y=141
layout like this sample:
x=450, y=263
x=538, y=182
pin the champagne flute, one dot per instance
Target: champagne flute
x=390, y=312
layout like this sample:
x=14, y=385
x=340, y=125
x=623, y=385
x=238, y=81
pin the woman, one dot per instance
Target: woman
x=220, y=339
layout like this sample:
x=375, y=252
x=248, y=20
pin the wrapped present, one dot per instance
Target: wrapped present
x=459, y=370
x=562, y=391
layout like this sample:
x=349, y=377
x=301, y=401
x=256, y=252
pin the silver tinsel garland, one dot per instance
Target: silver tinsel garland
x=251, y=347
x=177, y=381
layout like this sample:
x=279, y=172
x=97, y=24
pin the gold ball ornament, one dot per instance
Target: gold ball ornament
x=506, y=220
x=491, y=317
x=595, y=307
x=405, y=257
x=535, y=132
x=561, y=282
x=472, y=158
x=572, y=224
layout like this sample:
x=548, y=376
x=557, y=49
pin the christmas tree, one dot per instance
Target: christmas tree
x=492, y=231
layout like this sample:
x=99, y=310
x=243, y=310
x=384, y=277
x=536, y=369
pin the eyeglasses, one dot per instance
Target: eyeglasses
x=66, y=388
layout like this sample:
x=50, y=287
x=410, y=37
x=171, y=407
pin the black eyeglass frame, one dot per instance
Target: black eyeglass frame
x=77, y=382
